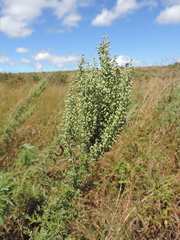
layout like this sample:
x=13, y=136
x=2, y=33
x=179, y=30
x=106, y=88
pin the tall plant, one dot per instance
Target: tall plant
x=95, y=114
x=96, y=107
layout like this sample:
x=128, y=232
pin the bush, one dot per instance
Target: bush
x=96, y=107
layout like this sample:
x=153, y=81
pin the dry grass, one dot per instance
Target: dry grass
x=135, y=192
x=11, y=96
x=43, y=126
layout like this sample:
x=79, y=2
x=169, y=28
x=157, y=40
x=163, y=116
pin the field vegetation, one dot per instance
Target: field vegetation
x=131, y=192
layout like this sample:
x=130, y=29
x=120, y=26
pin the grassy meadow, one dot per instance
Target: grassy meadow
x=134, y=191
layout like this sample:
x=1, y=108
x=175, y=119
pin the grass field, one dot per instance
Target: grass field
x=134, y=191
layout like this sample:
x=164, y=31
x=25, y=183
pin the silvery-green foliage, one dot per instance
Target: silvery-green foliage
x=96, y=107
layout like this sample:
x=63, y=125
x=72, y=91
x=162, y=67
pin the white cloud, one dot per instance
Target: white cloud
x=59, y=61
x=44, y=55
x=123, y=60
x=12, y=63
x=67, y=11
x=170, y=2
x=65, y=7
x=121, y=9
x=170, y=15
x=38, y=66
x=71, y=20
x=24, y=60
x=14, y=28
x=4, y=59
x=1, y=70
x=21, y=50
x=18, y=16
x=54, y=59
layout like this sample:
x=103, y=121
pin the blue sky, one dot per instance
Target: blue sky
x=51, y=35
